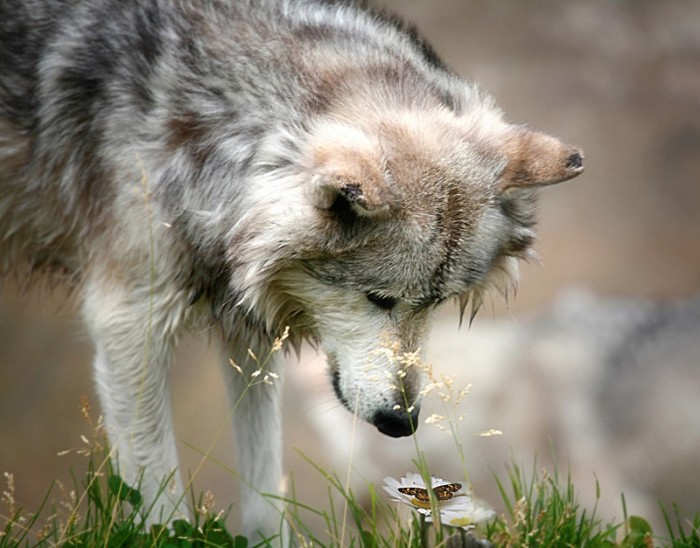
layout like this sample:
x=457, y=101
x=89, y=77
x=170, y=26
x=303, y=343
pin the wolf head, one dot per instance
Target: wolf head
x=376, y=221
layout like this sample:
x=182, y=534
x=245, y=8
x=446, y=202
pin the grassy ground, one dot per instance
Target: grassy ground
x=542, y=510
x=99, y=509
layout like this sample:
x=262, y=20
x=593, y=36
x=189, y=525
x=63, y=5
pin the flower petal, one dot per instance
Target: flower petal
x=392, y=483
x=460, y=508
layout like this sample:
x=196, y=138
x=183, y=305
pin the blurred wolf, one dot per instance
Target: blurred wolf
x=246, y=166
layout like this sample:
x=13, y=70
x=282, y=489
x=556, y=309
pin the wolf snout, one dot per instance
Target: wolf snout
x=396, y=423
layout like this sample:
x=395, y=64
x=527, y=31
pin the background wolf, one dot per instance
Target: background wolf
x=241, y=167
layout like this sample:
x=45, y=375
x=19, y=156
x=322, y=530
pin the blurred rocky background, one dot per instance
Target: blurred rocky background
x=597, y=357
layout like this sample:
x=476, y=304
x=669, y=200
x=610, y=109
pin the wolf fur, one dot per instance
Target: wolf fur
x=243, y=166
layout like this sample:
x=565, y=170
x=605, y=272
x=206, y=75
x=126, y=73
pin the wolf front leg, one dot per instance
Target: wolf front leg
x=255, y=389
x=133, y=328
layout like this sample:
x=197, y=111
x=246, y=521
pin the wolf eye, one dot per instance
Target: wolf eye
x=385, y=303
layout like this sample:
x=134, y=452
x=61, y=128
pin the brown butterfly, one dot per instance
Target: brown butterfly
x=442, y=492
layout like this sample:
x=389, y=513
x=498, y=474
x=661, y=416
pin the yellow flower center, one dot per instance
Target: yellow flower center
x=420, y=503
x=463, y=521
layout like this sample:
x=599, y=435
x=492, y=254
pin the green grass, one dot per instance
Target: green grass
x=102, y=510
x=541, y=510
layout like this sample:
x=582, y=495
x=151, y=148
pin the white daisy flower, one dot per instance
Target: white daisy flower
x=467, y=516
x=411, y=490
x=456, y=508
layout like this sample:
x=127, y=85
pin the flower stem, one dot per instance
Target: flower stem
x=423, y=531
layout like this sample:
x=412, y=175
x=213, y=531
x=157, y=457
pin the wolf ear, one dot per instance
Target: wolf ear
x=346, y=170
x=536, y=159
x=364, y=197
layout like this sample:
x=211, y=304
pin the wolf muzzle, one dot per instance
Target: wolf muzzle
x=396, y=423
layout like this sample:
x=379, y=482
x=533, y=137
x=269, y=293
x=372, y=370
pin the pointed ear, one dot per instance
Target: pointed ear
x=364, y=197
x=536, y=159
x=346, y=166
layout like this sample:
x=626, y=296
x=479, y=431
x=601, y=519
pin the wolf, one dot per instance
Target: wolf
x=243, y=166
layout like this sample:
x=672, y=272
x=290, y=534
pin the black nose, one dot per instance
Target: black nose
x=396, y=423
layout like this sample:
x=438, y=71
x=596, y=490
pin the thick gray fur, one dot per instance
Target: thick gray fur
x=245, y=166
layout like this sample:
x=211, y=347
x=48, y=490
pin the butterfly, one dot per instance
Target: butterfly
x=442, y=492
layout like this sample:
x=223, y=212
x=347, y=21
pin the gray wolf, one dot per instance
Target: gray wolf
x=242, y=166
